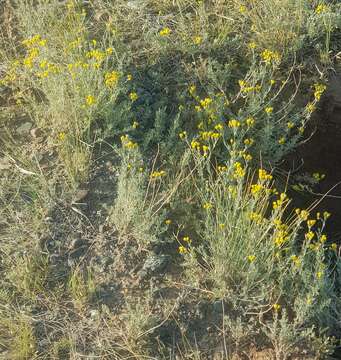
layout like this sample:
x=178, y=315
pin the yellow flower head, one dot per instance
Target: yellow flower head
x=263, y=175
x=276, y=307
x=133, y=96
x=269, y=110
x=233, y=123
x=168, y=221
x=251, y=258
x=111, y=78
x=165, y=31
x=321, y=8
x=182, y=250
x=197, y=40
x=90, y=100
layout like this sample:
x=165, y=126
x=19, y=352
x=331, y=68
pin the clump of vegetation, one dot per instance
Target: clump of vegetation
x=143, y=210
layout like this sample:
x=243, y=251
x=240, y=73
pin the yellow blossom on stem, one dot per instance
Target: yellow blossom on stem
x=90, y=100
x=197, y=40
x=276, y=307
x=321, y=8
x=250, y=121
x=168, y=221
x=133, y=96
x=269, y=110
x=309, y=235
x=233, y=123
x=187, y=239
x=281, y=141
x=182, y=249
x=157, y=174
x=165, y=31
x=251, y=258
x=263, y=175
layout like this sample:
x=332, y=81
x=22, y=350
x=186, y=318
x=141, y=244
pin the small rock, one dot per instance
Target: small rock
x=36, y=133
x=155, y=264
x=80, y=195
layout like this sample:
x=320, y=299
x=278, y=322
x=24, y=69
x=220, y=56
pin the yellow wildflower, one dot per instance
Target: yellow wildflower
x=263, y=175
x=281, y=141
x=197, y=40
x=182, y=250
x=290, y=125
x=187, y=239
x=239, y=172
x=111, y=78
x=250, y=121
x=269, y=110
x=90, y=100
x=61, y=136
x=321, y=8
x=309, y=235
x=251, y=258
x=319, y=274
x=205, y=103
x=168, y=221
x=157, y=174
x=323, y=238
x=183, y=135
x=207, y=206
x=276, y=307
x=269, y=56
x=165, y=31
x=311, y=223
x=233, y=123
x=129, y=77
x=319, y=90
x=133, y=96
x=242, y=9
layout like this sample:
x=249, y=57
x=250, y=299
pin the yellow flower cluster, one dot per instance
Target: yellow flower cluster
x=283, y=198
x=256, y=217
x=165, y=31
x=133, y=96
x=111, y=78
x=207, y=135
x=183, y=135
x=318, y=91
x=245, y=88
x=205, y=103
x=295, y=259
x=90, y=100
x=127, y=143
x=321, y=8
x=207, y=206
x=197, y=40
x=270, y=57
x=35, y=40
x=157, y=174
x=250, y=121
x=239, y=171
x=233, y=123
x=263, y=175
x=281, y=236
x=96, y=54
x=269, y=110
